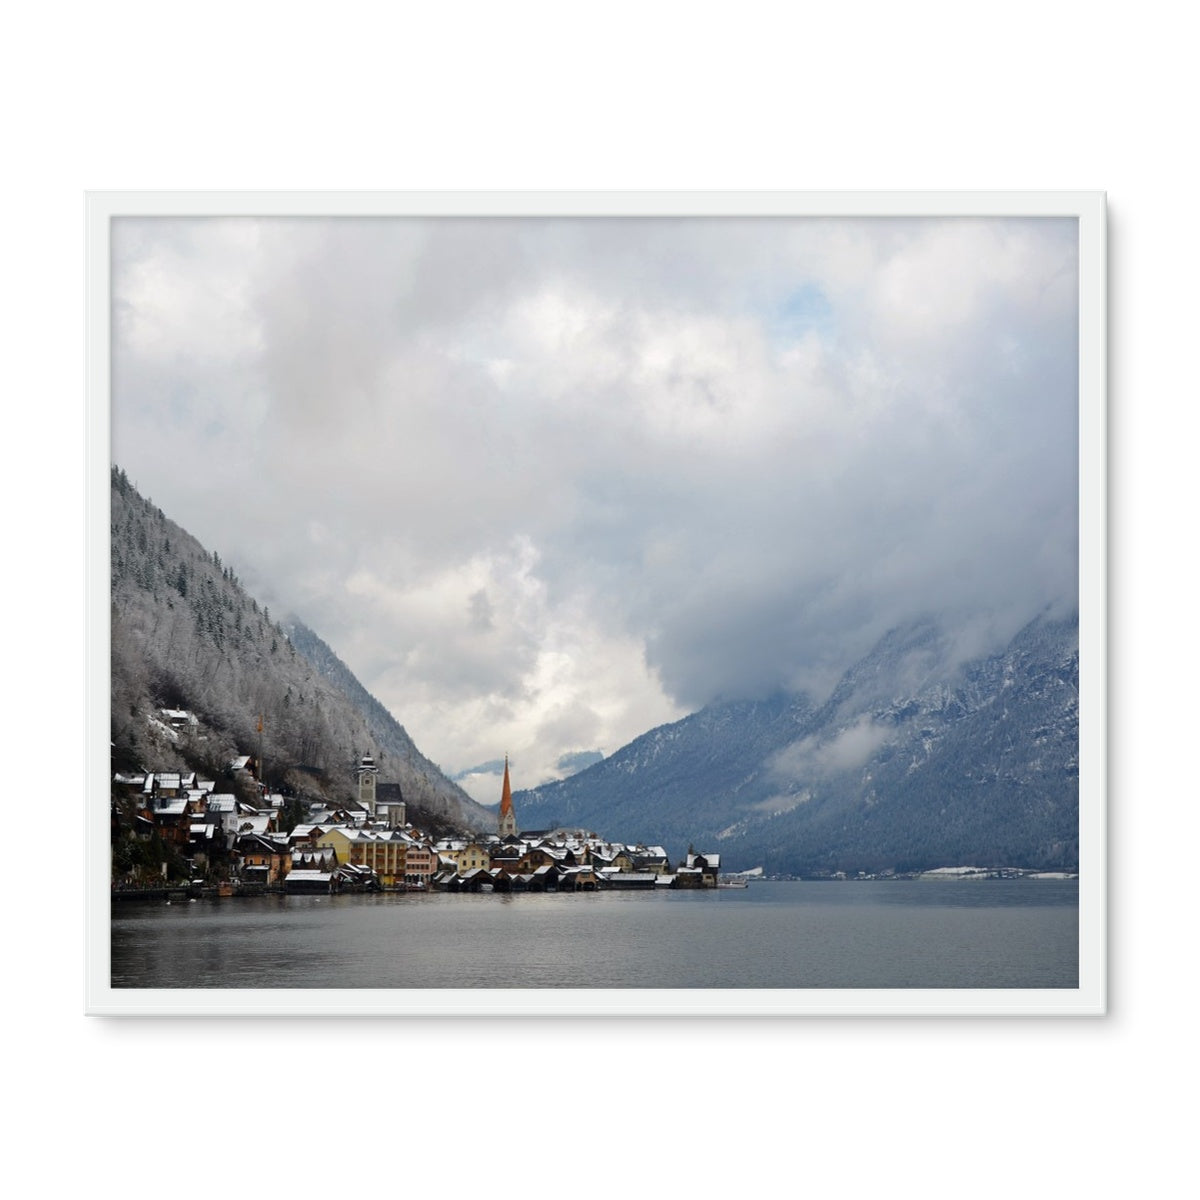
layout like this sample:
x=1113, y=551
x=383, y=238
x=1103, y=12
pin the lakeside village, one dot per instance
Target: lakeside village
x=213, y=844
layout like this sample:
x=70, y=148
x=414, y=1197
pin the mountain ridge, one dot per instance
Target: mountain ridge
x=913, y=762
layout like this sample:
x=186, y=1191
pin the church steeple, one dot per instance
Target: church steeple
x=508, y=818
x=366, y=773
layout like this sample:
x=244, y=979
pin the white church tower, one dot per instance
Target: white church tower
x=367, y=772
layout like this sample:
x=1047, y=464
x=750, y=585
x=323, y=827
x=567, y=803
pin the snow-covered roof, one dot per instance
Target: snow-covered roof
x=317, y=854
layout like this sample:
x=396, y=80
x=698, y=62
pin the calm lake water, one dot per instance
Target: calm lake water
x=897, y=934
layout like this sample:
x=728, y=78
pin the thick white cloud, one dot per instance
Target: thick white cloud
x=544, y=484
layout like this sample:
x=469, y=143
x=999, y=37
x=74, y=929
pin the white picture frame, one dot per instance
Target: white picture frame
x=1087, y=999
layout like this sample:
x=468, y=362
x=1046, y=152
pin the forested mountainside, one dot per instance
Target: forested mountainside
x=910, y=764
x=186, y=635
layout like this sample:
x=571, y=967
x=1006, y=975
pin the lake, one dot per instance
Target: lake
x=1019, y=933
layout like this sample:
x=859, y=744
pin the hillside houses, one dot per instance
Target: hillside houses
x=213, y=836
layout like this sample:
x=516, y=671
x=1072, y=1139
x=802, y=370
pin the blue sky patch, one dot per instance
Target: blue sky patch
x=806, y=308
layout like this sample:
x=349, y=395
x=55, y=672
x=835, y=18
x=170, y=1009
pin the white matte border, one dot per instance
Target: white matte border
x=1088, y=999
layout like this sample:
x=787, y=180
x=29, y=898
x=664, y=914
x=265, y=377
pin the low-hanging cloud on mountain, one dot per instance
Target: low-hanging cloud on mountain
x=546, y=483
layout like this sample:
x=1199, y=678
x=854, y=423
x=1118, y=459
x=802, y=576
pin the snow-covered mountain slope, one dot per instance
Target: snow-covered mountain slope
x=187, y=636
x=914, y=761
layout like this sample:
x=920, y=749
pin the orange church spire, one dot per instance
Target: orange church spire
x=508, y=818
x=506, y=794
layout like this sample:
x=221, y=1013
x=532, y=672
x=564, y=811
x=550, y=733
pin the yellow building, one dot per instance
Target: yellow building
x=472, y=856
x=384, y=851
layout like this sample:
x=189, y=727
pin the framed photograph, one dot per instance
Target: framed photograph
x=596, y=604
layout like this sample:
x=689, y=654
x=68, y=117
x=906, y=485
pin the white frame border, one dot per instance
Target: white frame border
x=1088, y=999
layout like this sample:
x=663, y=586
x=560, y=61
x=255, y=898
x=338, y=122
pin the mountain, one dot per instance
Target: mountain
x=186, y=635
x=913, y=762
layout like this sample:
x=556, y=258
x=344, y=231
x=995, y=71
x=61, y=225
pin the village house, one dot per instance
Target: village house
x=629, y=880
x=243, y=765
x=506, y=855
x=313, y=858
x=128, y=785
x=169, y=785
x=255, y=820
x=577, y=879
x=306, y=881
x=420, y=864
x=268, y=859
x=699, y=870
x=650, y=858
x=221, y=810
x=172, y=819
x=177, y=718
x=612, y=858
x=542, y=856
x=354, y=877
x=474, y=880
x=463, y=855
x=306, y=834
x=203, y=839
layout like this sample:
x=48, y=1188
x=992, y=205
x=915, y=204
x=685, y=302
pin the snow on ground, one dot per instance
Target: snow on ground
x=164, y=729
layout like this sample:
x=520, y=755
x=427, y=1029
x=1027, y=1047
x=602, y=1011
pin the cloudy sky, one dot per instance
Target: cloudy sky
x=544, y=484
